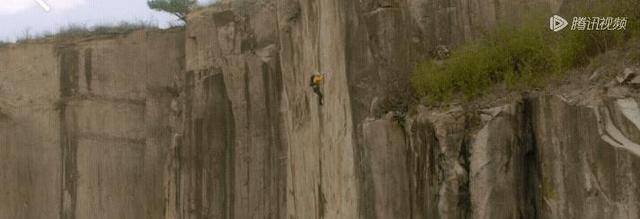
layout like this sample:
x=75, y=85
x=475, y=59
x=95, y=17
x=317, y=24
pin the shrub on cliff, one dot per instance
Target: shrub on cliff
x=179, y=8
x=522, y=56
x=517, y=56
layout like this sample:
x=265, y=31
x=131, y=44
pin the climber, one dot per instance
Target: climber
x=316, y=82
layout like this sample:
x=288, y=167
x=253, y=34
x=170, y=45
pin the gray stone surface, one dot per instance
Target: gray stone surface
x=29, y=132
x=85, y=127
x=587, y=160
x=218, y=121
x=537, y=157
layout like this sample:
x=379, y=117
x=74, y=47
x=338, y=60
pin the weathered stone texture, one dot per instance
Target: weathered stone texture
x=539, y=157
x=29, y=132
x=85, y=126
x=218, y=121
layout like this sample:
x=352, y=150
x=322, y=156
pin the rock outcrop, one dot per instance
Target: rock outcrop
x=218, y=121
x=252, y=129
x=85, y=126
x=540, y=157
x=586, y=161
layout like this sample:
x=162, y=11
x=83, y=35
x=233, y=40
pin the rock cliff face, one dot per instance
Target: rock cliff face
x=277, y=153
x=540, y=157
x=84, y=128
x=218, y=121
x=29, y=133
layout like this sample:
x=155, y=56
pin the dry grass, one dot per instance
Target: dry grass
x=81, y=30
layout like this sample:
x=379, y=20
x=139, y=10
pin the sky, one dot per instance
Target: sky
x=21, y=17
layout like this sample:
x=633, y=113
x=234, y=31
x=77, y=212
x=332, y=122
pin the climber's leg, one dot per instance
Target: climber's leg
x=316, y=89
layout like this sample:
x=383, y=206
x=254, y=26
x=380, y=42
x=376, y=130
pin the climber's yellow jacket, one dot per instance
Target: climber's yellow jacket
x=317, y=79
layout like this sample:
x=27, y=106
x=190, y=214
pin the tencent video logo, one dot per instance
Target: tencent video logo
x=557, y=23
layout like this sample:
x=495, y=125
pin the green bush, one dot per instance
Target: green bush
x=517, y=56
x=521, y=56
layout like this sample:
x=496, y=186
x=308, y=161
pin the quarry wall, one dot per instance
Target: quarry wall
x=218, y=121
x=30, y=137
x=85, y=126
x=540, y=157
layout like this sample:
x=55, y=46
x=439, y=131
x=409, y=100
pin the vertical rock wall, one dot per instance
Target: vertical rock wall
x=540, y=157
x=431, y=151
x=219, y=122
x=587, y=161
x=386, y=144
x=116, y=96
x=287, y=157
x=322, y=172
x=385, y=39
x=30, y=138
x=503, y=164
x=233, y=161
x=85, y=126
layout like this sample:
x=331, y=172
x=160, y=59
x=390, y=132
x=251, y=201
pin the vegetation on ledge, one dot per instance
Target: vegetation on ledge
x=521, y=56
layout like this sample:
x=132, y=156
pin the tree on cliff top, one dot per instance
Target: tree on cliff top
x=179, y=8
